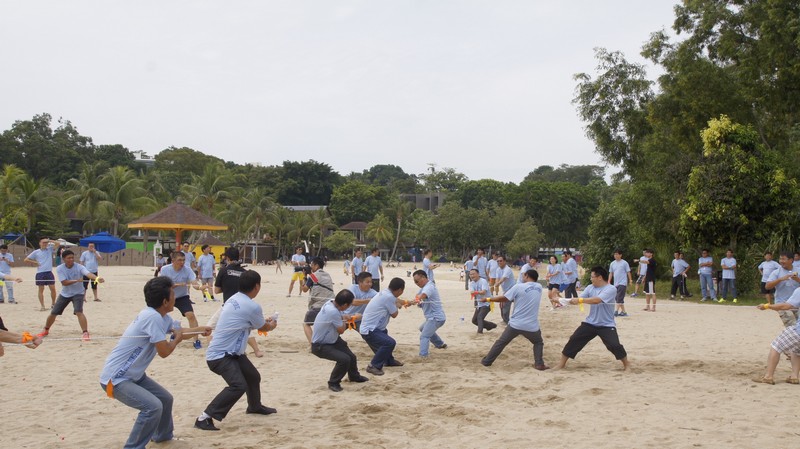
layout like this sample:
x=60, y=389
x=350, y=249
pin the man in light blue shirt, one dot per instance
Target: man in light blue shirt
x=6, y=259
x=362, y=294
x=570, y=270
x=479, y=289
x=784, y=281
x=89, y=259
x=600, y=321
x=326, y=342
x=42, y=259
x=480, y=263
x=788, y=342
x=524, y=321
x=427, y=266
x=374, y=265
x=206, y=269
x=765, y=268
x=619, y=275
x=680, y=268
x=468, y=266
x=227, y=356
x=504, y=277
x=728, y=265
x=191, y=261
x=431, y=303
x=71, y=276
x=123, y=376
x=356, y=266
x=706, y=264
x=182, y=278
x=377, y=314
x=491, y=272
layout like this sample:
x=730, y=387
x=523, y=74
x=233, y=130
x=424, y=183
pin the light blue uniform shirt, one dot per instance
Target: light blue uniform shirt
x=557, y=275
x=492, y=267
x=480, y=264
x=426, y=267
x=325, y=324
x=767, y=268
x=572, y=267
x=432, y=305
x=359, y=294
x=4, y=263
x=794, y=300
x=89, y=260
x=522, y=271
x=784, y=289
x=481, y=285
x=678, y=266
x=358, y=266
x=45, y=259
x=620, y=270
x=373, y=264
x=76, y=273
x=506, y=277
x=526, y=298
x=239, y=316
x=189, y=258
x=704, y=270
x=185, y=275
x=728, y=262
x=205, y=266
x=378, y=311
x=602, y=314
x=132, y=355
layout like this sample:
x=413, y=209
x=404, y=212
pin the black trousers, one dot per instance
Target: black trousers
x=679, y=283
x=510, y=334
x=572, y=290
x=586, y=333
x=479, y=319
x=242, y=378
x=339, y=352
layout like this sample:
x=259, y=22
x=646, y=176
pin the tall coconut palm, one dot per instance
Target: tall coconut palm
x=9, y=181
x=320, y=221
x=29, y=201
x=380, y=229
x=258, y=207
x=209, y=190
x=85, y=194
x=298, y=225
x=400, y=210
x=125, y=195
x=278, y=224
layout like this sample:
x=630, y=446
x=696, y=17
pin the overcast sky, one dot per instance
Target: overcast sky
x=484, y=87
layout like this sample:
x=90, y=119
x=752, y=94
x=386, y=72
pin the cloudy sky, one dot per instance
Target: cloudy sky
x=484, y=87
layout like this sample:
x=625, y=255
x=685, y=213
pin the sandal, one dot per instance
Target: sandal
x=792, y=380
x=764, y=380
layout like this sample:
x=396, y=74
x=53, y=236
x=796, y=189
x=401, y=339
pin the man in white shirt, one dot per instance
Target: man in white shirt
x=6, y=259
x=728, y=265
x=42, y=259
x=90, y=259
x=374, y=265
x=298, y=263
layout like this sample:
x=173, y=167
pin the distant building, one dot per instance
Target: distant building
x=357, y=228
x=143, y=158
x=425, y=201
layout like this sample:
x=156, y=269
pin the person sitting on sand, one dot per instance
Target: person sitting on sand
x=326, y=342
x=600, y=296
x=788, y=342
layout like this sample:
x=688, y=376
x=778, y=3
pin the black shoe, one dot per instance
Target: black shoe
x=264, y=410
x=443, y=346
x=485, y=363
x=359, y=379
x=374, y=371
x=206, y=424
x=337, y=387
x=394, y=362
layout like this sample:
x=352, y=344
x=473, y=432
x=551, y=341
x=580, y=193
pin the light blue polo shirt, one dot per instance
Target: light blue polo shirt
x=602, y=314
x=89, y=260
x=45, y=259
x=480, y=264
x=678, y=266
x=426, y=267
x=185, y=275
x=205, y=266
x=794, y=300
x=373, y=264
x=730, y=273
x=239, y=316
x=556, y=274
x=572, y=267
x=76, y=273
x=492, y=268
x=784, y=289
x=481, y=285
x=137, y=347
x=522, y=271
x=767, y=267
x=526, y=298
x=432, y=305
x=327, y=321
x=358, y=265
x=704, y=270
x=359, y=294
x=620, y=269
x=506, y=277
x=4, y=263
x=378, y=312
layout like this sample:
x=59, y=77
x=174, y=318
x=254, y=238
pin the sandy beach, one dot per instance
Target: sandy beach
x=690, y=385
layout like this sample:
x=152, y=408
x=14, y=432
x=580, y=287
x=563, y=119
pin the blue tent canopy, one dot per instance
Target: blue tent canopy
x=104, y=242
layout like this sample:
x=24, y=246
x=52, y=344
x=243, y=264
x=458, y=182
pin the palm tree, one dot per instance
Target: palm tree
x=259, y=206
x=209, y=189
x=297, y=226
x=85, y=194
x=278, y=224
x=320, y=221
x=125, y=194
x=9, y=181
x=380, y=229
x=400, y=210
x=29, y=200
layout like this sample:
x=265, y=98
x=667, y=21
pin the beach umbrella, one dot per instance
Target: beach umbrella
x=104, y=242
x=65, y=243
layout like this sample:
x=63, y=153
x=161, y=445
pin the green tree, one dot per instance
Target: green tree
x=85, y=194
x=579, y=174
x=30, y=201
x=308, y=183
x=399, y=210
x=739, y=192
x=526, y=240
x=446, y=179
x=379, y=230
x=210, y=190
x=482, y=193
x=320, y=221
x=357, y=201
x=126, y=196
x=340, y=242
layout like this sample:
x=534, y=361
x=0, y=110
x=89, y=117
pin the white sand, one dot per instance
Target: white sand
x=690, y=387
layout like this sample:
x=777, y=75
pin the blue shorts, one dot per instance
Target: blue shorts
x=45, y=278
